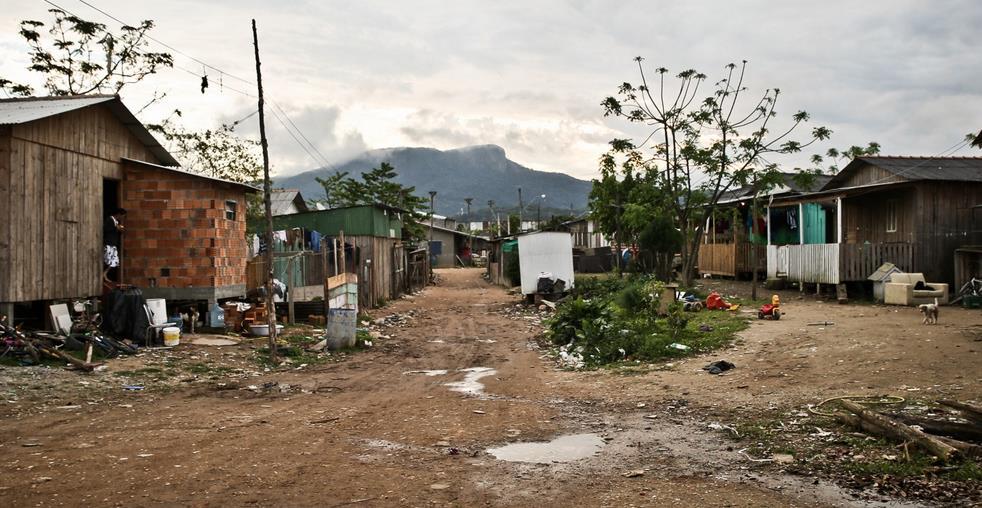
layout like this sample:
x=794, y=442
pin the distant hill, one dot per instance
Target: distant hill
x=481, y=172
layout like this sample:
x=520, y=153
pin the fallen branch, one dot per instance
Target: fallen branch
x=971, y=411
x=54, y=353
x=966, y=449
x=963, y=431
x=875, y=423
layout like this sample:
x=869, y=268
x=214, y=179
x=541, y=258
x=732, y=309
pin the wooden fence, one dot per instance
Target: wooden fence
x=730, y=259
x=831, y=263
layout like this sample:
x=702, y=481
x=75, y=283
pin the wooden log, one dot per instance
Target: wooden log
x=54, y=353
x=966, y=449
x=971, y=411
x=964, y=431
x=882, y=426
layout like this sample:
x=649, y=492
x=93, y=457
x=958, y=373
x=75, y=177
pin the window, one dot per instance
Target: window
x=891, y=216
x=230, y=209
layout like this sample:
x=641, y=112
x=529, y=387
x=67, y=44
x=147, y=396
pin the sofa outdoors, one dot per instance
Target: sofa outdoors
x=903, y=289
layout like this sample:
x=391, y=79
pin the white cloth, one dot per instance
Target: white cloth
x=111, y=256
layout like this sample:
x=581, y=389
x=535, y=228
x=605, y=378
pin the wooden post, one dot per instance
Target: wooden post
x=753, y=248
x=769, y=225
x=324, y=272
x=838, y=220
x=801, y=224
x=267, y=204
x=291, y=266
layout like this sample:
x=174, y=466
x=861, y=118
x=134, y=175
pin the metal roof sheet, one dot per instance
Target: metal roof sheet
x=282, y=200
x=29, y=109
x=957, y=169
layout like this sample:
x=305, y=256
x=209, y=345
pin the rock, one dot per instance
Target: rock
x=783, y=458
x=439, y=486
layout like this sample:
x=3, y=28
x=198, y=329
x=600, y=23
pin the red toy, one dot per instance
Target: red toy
x=771, y=310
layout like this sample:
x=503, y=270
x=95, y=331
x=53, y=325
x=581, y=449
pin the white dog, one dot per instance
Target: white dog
x=930, y=311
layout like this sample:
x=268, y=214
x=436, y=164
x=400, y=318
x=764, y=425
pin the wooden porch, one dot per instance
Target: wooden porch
x=729, y=259
x=834, y=263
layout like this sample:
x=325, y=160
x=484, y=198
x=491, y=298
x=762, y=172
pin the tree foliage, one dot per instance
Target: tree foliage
x=697, y=147
x=78, y=57
x=218, y=153
x=377, y=187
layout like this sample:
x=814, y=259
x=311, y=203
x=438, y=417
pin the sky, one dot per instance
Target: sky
x=530, y=76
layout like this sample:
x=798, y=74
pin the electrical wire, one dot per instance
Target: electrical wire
x=321, y=160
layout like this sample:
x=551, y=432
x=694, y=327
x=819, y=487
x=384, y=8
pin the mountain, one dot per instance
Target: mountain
x=481, y=172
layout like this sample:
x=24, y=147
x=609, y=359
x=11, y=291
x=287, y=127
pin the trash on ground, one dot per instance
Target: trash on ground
x=719, y=367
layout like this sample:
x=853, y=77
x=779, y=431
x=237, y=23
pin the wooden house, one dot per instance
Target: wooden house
x=65, y=161
x=376, y=233
x=728, y=234
x=910, y=211
x=287, y=201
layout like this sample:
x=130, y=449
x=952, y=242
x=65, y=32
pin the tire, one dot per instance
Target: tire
x=760, y=314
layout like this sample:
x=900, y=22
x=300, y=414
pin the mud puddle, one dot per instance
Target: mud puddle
x=471, y=384
x=562, y=449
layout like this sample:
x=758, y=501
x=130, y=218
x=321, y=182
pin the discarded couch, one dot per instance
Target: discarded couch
x=912, y=289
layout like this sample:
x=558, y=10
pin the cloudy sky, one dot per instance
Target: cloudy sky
x=529, y=76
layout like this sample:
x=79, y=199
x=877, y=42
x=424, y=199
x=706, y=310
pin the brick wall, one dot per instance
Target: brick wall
x=177, y=231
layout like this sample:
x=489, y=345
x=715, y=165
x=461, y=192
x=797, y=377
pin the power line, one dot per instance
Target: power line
x=322, y=161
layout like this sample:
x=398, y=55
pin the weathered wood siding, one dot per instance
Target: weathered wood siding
x=858, y=261
x=729, y=259
x=52, y=185
x=864, y=217
x=869, y=175
x=944, y=222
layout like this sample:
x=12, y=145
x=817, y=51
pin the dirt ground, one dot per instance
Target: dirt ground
x=372, y=430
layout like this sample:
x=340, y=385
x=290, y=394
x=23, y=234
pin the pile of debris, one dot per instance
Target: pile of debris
x=29, y=348
x=399, y=320
x=945, y=439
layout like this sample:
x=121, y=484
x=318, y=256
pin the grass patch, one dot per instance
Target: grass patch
x=614, y=321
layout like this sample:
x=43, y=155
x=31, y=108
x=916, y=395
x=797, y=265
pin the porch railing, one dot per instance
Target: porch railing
x=831, y=263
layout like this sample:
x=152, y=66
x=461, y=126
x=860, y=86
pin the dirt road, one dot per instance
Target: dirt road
x=389, y=427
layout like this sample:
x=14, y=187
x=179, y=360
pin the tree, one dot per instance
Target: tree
x=833, y=156
x=79, y=57
x=378, y=187
x=218, y=153
x=697, y=148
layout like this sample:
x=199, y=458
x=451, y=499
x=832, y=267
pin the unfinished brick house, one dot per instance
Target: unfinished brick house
x=66, y=161
x=185, y=237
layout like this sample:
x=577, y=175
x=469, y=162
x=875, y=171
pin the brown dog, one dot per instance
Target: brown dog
x=930, y=312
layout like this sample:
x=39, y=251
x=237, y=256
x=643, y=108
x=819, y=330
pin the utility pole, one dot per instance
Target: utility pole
x=267, y=204
x=520, y=207
x=429, y=244
x=494, y=215
x=470, y=235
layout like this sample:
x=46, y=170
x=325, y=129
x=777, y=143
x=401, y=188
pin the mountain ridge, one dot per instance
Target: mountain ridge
x=481, y=172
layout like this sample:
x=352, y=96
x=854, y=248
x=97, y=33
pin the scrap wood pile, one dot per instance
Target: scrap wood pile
x=946, y=439
x=30, y=348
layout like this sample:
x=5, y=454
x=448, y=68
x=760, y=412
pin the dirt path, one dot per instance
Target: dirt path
x=371, y=432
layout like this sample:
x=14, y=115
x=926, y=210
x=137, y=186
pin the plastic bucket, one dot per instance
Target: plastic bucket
x=172, y=336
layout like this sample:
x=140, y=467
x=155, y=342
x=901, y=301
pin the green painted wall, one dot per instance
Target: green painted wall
x=354, y=221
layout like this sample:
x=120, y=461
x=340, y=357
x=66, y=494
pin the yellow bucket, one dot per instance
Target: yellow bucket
x=172, y=336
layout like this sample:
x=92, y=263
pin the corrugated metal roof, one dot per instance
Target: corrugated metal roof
x=16, y=111
x=29, y=109
x=957, y=169
x=282, y=201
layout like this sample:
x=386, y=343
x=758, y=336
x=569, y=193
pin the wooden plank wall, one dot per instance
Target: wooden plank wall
x=859, y=261
x=6, y=219
x=717, y=259
x=869, y=174
x=944, y=222
x=864, y=218
x=53, y=190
